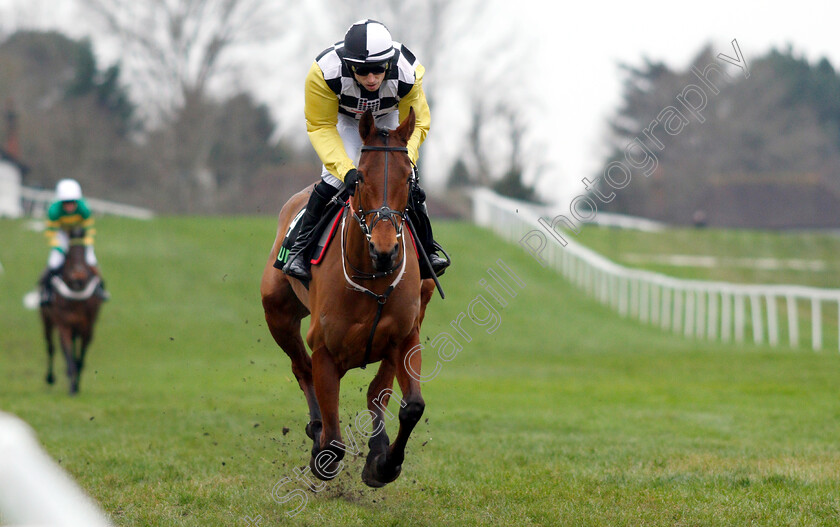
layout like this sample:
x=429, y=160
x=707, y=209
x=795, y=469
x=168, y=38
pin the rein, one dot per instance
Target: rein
x=383, y=212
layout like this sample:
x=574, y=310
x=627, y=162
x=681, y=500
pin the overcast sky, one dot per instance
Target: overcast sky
x=574, y=72
x=588, y=41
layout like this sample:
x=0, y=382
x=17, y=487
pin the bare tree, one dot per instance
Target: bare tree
x=175, y=52
x=174, y=49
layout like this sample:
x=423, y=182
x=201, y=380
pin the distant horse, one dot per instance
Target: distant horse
x=367, y=304
x=73, y=310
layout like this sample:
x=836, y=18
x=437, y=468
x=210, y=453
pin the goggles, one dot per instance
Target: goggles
x=363, y=70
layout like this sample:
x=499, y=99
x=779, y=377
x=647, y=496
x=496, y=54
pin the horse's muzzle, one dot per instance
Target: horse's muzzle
x=384, y=260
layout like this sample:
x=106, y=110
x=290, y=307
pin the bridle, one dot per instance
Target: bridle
x=383, y=212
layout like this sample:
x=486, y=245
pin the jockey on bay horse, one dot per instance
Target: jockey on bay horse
x=69, y=211
x=366, y=71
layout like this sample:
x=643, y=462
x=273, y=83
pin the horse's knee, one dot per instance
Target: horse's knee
x=302, y=370
x=412, y=411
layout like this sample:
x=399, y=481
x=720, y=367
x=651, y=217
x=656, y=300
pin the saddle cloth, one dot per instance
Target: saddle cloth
x=327, y=227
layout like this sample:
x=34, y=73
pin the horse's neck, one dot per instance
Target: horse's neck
x=75, y=264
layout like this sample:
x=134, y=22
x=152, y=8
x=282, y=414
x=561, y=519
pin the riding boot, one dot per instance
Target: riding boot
x=423, y=226
x=46, y=289
x=301, y=253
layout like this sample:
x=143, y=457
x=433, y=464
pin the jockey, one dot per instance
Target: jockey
x=367, y=70
x=69, y=210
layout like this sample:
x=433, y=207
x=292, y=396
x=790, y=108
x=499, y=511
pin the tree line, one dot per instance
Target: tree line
x=767, y=143
x=175, y=123
x=75, y=118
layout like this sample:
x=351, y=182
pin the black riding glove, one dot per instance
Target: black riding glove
x=350, y=180
x=418, y=195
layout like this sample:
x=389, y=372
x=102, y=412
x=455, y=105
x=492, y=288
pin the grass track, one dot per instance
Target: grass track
x=564, y=415
x=731, y=247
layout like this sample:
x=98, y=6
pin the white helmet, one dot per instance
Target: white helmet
x=367, y=42
x=68, y=190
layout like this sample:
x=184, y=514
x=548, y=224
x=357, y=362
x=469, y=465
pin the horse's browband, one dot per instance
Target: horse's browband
x=366, y=148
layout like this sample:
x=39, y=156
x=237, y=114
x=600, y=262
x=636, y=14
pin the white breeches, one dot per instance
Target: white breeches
x=56, y=257
x=348, y=129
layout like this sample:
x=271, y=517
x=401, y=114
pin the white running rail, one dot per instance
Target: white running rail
x=34, y=490
x=701, y=309
x=36, y=202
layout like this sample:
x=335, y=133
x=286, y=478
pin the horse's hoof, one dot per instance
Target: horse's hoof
x=375, y=473
x=50, y=378
x=330, y=471
x=369, y=479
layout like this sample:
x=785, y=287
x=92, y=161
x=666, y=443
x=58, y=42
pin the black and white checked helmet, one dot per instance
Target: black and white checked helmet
x=367, y=42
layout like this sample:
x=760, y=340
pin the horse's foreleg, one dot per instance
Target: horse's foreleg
x=328, y=448
x=427, y=290
x=379, y=393
x=386, y=468
x=48, y=336
x=283, y=314
x=85, y=336
x=68, y=346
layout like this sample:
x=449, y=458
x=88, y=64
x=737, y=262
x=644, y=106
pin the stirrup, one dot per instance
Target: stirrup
x=296, y=268
x=102, y=292
x=443, y=262
x=44, y=298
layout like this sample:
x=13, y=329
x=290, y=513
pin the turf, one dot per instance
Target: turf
x=555, y=411
x=809, y=258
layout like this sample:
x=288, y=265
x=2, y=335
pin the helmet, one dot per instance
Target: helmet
x=367, y=43
x=68, y=190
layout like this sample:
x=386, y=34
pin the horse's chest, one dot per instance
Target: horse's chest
x=347, y=337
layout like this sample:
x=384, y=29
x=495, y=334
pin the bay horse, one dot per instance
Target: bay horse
x=72, y=311
x=367, y=303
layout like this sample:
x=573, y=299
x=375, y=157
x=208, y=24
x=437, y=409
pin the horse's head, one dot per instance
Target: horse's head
x=381, y=196
x=76, y=272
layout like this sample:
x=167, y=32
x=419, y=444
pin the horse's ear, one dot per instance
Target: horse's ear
x=367, y=127
x=405, y=129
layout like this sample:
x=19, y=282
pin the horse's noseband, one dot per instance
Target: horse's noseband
x=380, y=213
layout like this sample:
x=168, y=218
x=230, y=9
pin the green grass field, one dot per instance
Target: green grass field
x=565, y=415
x=742, y=256
x=803, y=258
